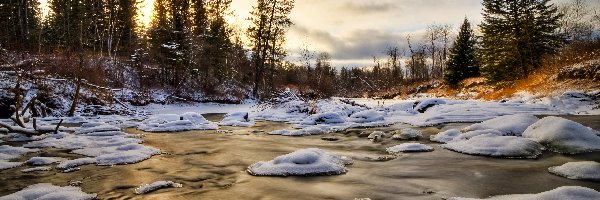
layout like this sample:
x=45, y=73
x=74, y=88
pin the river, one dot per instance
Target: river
x=211, y=165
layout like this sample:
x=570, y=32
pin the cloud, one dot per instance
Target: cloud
x=368, y=7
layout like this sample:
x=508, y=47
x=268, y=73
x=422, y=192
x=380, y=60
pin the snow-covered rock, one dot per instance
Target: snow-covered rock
x=177, y=123
x=323, y=118
x=509, y=124
x=497, y=146
x=446, y=136
x=9, y=165
x=114, y=155
x=36, y=161
x=563, y=136
x=311, y=130
x=156, y=186
x=561, y=193
x=237, y=119
x=471, y=134
x=376, y=136
x=366, y=116
x=49, y=191
x=409, y=147
x=586, y=170
x=407, y=134
x=424, y=104
x=304, y=162
x=70, y=164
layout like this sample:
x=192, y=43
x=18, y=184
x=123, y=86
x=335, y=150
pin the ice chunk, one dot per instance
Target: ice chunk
x=323, y=118
x=237, y=119
x=561, y=193
x=366, y=116
x=49, y=191
x=304, y=162
x=36, y=161
x=8, y=165
x=177, y=123
x=564, y=136
x=587, y=170
x=497, y=146
x=409, y=147
x=156, y=186
x=70, y=164
x=36, y=169
x=407, y=134
x=509, y=124
x=446, y=136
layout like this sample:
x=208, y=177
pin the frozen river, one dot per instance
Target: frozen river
x=212, y=165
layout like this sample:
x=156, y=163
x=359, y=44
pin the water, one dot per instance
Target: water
x=212, y=165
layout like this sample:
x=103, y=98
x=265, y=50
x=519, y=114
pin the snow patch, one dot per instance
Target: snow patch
x=446, y=136
x=497, y=146
x=177, y=123
x=304, y=162
x=509, y=124
x=156, y=186
x=565, y=192
x=409, y=147
x=564, y=136
x=587, y=170
x=49, y=191
x=407, y=134
x=237, y=119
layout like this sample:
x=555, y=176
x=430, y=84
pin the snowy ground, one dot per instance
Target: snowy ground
x=511, y=131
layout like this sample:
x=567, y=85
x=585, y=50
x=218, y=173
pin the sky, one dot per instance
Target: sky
x=353, y=31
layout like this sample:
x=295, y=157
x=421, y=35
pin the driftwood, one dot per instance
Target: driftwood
x=30, y=132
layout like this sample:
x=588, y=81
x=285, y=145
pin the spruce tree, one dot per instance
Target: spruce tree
x=516, y=35
x=462, y=63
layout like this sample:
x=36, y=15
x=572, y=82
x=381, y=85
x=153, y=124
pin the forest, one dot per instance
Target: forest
x=191, y=51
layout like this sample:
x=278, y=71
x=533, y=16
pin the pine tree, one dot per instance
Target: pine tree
x=516, y=35
x=462, y=63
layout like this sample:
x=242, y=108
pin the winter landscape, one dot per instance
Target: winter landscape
x=284, y=99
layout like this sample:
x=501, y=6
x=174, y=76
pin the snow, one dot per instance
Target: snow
x=564, y=136
x=36, y=169
x=376, y=136
x=96, y=127
x=49, y=191
x=177, y=123
x=509, y=124
x=237, y=119
x=280, y=132
x=304, y=162
x=445, y=136
x=471, y=134
x=36, y=161
x=586, y=170
x=323, y=118
x=156, y=186
x=409, y=147
x=561, y=193
x=497, y=146
x=311, y=130
x=8, y=153
x=424, y=104
x=114, y=155
x=407, y=134
x=366, y=116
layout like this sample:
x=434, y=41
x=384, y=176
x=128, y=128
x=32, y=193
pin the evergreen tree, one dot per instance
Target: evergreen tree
x=20, y=24
x=516, y=35
x=462, y=63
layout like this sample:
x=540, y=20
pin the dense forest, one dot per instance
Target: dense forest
x=192, y=51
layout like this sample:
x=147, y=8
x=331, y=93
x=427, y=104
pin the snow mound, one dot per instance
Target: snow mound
x=49, y=191
x=323, y=118
x=304, y=162
x=497, y=146
x=237, y=119
x=564, y=136
x=446, y=136
x=36, y=169
x=308, y=131
x=409, y=147
x=366, y=116
x=424, y=104
x=471, y=134
x=587, y=170
x=156, y=186
x=36, y=161
x=376, y=135
x=509, y=124
x=561, y=193
x=177, y=123
x=407, y=134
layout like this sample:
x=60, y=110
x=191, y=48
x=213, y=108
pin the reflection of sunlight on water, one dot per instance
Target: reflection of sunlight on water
x=212, y=165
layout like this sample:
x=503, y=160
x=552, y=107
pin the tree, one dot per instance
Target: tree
x=20, y=24
x=462, y=63
x=270, y=21
x=516, y=35
x=577, y=22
